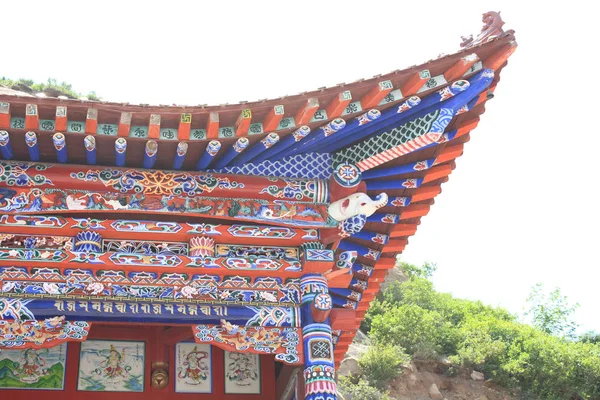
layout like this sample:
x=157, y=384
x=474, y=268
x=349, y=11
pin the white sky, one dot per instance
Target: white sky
x=522, y=205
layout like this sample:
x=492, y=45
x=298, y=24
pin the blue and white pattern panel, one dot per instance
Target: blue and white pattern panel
x=308, y=165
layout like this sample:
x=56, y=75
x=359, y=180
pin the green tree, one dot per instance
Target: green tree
x=551, y=312
x=589, y=337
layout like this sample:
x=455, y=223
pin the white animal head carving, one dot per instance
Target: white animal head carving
x=355, y=204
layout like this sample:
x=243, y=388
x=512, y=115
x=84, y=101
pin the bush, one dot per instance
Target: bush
x=519, y=355
x=426, y=323
x=376, y=308
x=381, y=363
x=411, y=327
x=359, y=391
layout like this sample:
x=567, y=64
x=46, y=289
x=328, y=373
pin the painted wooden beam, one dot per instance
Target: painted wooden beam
x=395, y=245
x=398, y=169
x=258, y=148
x=496, y=60
x=60, y=144
x=426, y=193
x=175, y=263
x=123, y=229
x=370, y=236
x=120, y=151
x=89, y=143
x=283, y=144
x=437, y=172
x=4, y=115
x=362, y=251
x=403, y=230
x=243, y=122
x=5, y=146
x=339, y=104
x=415, y=82
x=413, y=211
x=124, y=124
x=185, y=126
x=32, y=146
x=323, y=132
x=91, y=121
x=60, y=119
x=212, y=126
x=460, y=67
x=32, y=119
x=305, y=114
x=231, y=153
x=154, y=126
x=449, y=153
x=375, y=95
x=273, y=118
x=342, y=319
x=391, y=184
x=182, y=148
x=150, y=153
x=212, y=149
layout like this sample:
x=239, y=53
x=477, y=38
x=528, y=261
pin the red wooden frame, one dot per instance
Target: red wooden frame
x=155, y=351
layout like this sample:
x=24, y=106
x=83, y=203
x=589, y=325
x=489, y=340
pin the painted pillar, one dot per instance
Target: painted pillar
x=319, y=368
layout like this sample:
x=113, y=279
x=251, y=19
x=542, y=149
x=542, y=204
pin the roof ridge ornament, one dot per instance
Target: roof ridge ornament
x=492, y=28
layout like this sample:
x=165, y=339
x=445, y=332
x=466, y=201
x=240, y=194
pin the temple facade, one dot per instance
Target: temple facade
x=226, y=252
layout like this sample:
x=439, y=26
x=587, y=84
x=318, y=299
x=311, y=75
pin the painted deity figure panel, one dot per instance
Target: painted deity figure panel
x=111, y=366
x=193, y=368
x=242, y=373
x=33, y=368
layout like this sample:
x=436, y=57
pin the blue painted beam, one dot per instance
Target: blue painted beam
x=5, y=146
x=32, y=146
x=260, y=147
x=120, y=152
x=362, y=269
x=212, y=149
x=90, y=149
x=346, y=293
x=150, y=153
x=398, y=170
x=411, y=183
x=283, y=144
x=374, y=237
x=340, y=302
x=60, y=145
x=361, y=120
x=384, y=218
x=231, y=153
x=323, y=132
x=358, y=284
x=141, y=310
x=362, y=251
x=182, y=148
x=454, y=97
x=400, y=201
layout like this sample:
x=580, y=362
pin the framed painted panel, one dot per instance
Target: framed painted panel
x=111, y=366
x=193, y=369
x=33, y=368
x=242, y=373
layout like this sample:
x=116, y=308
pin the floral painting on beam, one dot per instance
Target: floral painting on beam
x=242, y=373
x=193, y=368
x=33, y=368
x=111, y=366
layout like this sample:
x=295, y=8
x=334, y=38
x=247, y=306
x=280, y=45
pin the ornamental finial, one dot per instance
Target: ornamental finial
x=492, y=28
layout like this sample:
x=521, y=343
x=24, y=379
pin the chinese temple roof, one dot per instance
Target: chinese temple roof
x=397, y=133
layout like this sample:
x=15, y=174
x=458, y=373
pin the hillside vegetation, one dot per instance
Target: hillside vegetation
x=411, y=320
x=51, y=87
